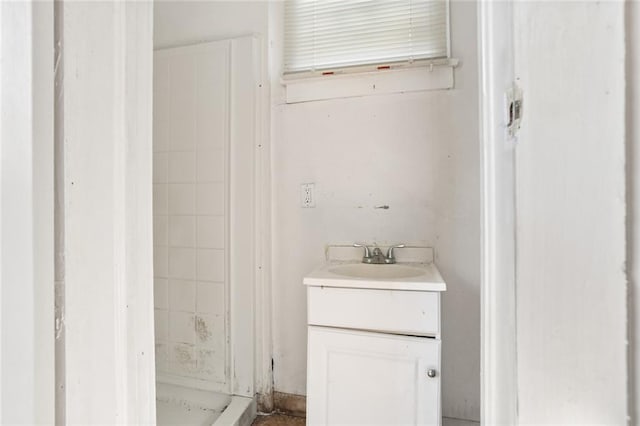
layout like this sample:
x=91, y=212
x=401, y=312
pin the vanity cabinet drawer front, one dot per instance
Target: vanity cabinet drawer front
x=399, y=312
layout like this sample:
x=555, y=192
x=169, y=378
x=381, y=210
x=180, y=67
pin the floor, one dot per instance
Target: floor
x=278, y=420
x=283, y=420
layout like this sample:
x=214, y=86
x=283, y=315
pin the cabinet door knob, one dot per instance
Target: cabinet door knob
x=431, y=373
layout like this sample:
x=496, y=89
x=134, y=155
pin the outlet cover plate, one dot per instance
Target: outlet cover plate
x=307, y=195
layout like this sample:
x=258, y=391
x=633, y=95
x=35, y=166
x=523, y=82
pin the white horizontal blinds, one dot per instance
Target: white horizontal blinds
x=325, y=34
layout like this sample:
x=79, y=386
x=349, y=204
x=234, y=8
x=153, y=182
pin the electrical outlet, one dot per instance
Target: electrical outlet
x=307, y=196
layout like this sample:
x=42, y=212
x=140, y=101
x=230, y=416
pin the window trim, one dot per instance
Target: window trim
x=433, y=75
x=367, y=69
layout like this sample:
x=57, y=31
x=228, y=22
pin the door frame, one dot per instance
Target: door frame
x=26, y=214
x=495, y=23
x=498, y=232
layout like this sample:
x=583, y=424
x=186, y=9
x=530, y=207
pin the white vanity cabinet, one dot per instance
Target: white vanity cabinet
x=373, y=349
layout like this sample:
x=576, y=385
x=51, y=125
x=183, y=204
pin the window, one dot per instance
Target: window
x=324, y=35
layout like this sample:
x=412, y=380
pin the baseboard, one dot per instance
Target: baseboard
x=296, y=405
x=293, y=405
x=265, y=402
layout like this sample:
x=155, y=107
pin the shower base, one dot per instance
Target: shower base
x=178, y=405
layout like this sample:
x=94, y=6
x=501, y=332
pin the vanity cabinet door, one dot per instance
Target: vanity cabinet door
x=364, y=378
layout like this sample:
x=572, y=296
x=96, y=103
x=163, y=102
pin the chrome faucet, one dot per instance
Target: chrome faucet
x=376, y=257
x=390, y=257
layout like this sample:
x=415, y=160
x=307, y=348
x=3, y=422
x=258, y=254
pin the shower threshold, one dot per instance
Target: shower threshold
x=178, y=405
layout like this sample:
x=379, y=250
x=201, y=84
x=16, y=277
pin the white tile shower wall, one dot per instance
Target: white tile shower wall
x=190, y=219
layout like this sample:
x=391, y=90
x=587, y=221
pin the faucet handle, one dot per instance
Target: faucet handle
x=367, y=255
x=390, y=257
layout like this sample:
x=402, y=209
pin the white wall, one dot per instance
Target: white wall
x=633, y=203
x=571, y=286
x=457, y=225
x=417, y=153
x=178, y=23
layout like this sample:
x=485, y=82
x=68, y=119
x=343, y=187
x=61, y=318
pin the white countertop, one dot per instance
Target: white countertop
x=399, y=276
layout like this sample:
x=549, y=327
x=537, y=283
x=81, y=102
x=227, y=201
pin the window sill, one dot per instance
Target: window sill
x=431, y=76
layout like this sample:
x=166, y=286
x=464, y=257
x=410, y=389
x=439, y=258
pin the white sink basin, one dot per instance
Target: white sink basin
x=400, y=276
x=378, y=272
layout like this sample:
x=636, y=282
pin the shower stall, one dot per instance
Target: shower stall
x=206, y=146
